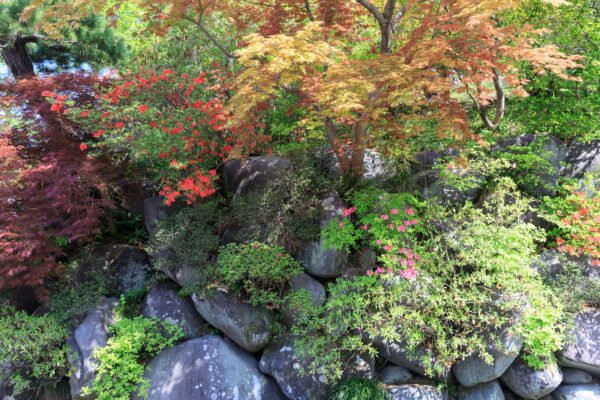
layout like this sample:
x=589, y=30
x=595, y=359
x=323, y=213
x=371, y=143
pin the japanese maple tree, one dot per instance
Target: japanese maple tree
x=51, y=193
x=429, y=54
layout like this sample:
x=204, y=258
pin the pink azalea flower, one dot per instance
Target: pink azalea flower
x=341, y=224
x=409, y=273
x=395, y=211
x=379, y=242
x=391, y=226
x=410, y=211
x=365, y=227
x=384, y=217
x=401, y=228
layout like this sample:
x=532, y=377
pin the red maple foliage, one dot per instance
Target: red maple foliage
x=51, y=193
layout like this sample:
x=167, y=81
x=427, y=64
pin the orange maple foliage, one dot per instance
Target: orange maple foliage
x=445, y=48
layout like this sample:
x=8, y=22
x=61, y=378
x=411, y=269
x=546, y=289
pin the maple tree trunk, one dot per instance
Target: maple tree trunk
x=385, y=46
x=17, y=59
x=358, y=148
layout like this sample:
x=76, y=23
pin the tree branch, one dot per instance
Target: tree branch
x=210, y=37
x=373, y=10
x=500, y=103
x=308, y=10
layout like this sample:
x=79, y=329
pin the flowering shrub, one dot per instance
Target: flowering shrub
x=577, y=216
x=172, y=125
x=480, y=260
x=387, y=223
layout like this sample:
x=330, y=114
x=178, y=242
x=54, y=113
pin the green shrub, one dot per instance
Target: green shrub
x=257, y=273
x=472, y=280
x=70, y=300
x=33, y=348
x=191, y=233
x=357, y=389
x=528, y=164
x=121, y=362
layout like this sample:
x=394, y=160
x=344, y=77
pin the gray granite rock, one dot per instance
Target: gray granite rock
x=90, y=335
x=577, y=392
x=474, y=370
x=319, y=261
x=414, y=392
x=576, y=376
x=155, y=210
x=164, y=303
x=484, y=391
x=552, y=265
x=248, y=326
x=397, y=353
x=583, y=352
x=375, y=166
x=582, y=158
x=241, y=176
x=283, y=363
x=207, y=368
x=395, y=375
x=128, y=268
x=530, y=383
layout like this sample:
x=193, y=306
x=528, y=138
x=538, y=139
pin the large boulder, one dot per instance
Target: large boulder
x=414, y=392
x=207, y=368
x=133, y=193
x=241, y=176
x=485, y=391
x=183, y=274
x=248, y=326
x=315, y=290
x=90, y=335
x=128, y=267
x=576, y=376
x=395, y=375
x=543, y=177
x=282, y=362
x=473, y=369
x=577, y=392
x=582, y=158
x=530, y=383
x=552, y=265
x=319, y=261
x=397, y=353
x=584, y=351
x=164, y=303
x=155, y=210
